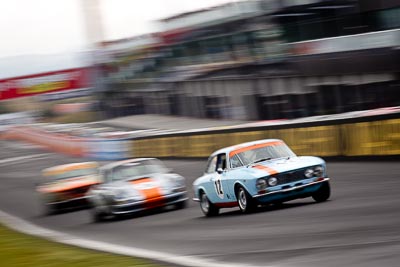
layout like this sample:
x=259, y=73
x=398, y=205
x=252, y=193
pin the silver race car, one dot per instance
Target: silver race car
x=134, y=185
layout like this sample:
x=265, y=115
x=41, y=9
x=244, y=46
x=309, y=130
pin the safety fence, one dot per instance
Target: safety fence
x=333, y=138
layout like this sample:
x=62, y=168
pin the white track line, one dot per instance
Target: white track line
x=29, y=157
x=25, y=227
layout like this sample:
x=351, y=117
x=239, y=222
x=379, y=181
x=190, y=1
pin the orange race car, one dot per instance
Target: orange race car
x=66, y=185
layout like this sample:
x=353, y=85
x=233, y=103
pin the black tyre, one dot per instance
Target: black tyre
x=208, y=208
x=97, y=215
x=49, y=209
x=181, y=205
x=245, y=201
x=323, y=193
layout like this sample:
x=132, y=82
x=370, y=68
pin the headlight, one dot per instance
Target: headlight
x=173, y=183
x=309, y=173
x=180, y=182
x=261, y=184
x=177, y=181
x=272, y=181
x=121, y=194
x=319, y=171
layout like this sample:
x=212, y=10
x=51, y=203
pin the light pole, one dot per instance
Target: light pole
x=95, y=36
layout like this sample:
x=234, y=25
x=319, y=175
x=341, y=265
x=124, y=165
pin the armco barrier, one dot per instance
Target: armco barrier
x=380, y=138
x=321, y=140
x=349, y=137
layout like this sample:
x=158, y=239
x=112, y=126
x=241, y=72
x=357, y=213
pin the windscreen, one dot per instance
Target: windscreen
x=75, y=173
x=260, y=153
x=130, y=171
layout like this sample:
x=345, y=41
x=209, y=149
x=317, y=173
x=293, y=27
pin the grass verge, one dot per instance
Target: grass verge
x=20, y=250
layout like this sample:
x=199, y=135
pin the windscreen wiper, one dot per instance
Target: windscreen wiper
x=259, y=160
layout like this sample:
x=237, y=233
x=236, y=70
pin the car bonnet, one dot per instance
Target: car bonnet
x=272, y=167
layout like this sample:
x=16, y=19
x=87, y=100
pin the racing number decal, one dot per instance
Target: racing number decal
x=218, y=187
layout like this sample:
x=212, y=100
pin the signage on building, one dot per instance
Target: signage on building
x=49, y=82
x=372, y=40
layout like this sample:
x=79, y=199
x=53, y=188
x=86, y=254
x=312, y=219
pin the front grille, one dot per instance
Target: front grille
x=155, y=202
x=290, y=177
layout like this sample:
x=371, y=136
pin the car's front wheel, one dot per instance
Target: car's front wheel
x=97, y=215
x=208, y=208
x=245, y=201
x=323, y=193
x=181, y=205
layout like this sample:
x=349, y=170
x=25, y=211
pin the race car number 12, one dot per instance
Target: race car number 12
x=218, y=188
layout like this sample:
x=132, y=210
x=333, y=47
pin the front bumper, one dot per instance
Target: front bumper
x=141, y=205
x=292, y=192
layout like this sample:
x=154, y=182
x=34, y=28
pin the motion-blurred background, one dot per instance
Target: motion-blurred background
x=240, y=60
x=107, y=80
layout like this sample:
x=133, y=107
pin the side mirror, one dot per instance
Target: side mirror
x=220, y=170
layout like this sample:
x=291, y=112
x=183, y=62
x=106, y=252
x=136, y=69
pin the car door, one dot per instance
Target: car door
x=216, y=174
x=207, y=179
x=233, y=173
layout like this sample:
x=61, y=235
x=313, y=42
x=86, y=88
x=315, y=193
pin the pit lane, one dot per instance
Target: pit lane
x=357, y=227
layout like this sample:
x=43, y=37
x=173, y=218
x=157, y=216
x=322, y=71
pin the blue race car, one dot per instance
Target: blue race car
x=259, y=172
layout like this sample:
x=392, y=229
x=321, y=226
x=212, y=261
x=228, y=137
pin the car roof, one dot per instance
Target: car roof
x=246, y=144
x=69, y=167
x=122, y=162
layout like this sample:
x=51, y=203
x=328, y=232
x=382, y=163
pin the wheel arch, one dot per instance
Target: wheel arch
x=236, y=186
x=201, y=189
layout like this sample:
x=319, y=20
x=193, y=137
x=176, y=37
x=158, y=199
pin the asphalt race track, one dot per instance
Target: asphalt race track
x=359, y=226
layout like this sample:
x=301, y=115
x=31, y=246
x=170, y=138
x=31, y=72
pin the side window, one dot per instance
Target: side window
x=235, y=162
x=221, y=162
x=211, y=166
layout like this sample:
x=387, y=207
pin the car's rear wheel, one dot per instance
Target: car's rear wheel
x=208, y=208
x=49, y=209
x=323, y=193
x=245, y=201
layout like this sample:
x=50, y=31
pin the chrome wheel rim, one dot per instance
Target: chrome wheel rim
x=242, y=199
x=204, y=203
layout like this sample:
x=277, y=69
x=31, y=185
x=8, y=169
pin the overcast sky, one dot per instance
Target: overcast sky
x=57, y=26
